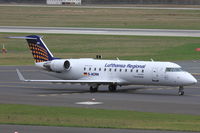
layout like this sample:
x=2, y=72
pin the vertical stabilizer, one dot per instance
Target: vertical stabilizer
x=38, y=48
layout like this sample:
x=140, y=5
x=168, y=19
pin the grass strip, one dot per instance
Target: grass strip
x=96, y=118
x=88, y=46
x=97, y=17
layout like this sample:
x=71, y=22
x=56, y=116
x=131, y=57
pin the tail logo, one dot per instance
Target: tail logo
x=38, y=48
x=39, y=53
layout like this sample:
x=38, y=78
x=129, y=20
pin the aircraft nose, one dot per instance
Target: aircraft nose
x=194, y=80
x=190, y=79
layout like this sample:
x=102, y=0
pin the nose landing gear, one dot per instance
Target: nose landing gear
x=181, y=92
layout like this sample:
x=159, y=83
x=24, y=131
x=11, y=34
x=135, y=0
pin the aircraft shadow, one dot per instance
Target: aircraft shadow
x=131, y=90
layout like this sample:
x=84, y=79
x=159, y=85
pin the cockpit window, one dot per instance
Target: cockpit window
x=169, y=69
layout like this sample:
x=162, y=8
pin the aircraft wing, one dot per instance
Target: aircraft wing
x=21, y=77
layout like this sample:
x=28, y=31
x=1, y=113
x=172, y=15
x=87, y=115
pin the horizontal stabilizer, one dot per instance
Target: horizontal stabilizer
x=21, y=37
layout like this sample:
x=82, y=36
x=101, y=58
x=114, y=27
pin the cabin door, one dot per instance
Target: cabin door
x=155, y=75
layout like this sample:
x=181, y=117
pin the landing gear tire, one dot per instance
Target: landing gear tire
x=93, y=89
x=112, y=88
x=181, y=92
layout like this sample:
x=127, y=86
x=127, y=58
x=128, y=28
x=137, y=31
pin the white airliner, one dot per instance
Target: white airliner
x=96, y=72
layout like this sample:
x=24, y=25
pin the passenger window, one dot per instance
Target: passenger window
x=89, y=69
x=84, y=68
x=110, y=69
x=120, y=70
x=142, y=71
x=131, y=70
x=125, y=70
x=104, y=69
x=115, y=69
x=95, y=69
x=99, y=69
x=136, y=71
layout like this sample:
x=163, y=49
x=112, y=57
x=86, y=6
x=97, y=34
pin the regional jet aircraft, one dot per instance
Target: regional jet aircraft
x=96, y=72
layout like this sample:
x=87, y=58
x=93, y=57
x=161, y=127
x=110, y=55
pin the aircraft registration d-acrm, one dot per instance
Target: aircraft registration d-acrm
x=96, y=72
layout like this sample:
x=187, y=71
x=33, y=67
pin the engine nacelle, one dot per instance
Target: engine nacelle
x=57, y=65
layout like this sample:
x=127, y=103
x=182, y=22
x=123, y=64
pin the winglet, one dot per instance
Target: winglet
x=21, y=77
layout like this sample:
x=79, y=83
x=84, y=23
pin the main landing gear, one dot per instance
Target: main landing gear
x=181, y=92
x=93, y=88
x=112, y=88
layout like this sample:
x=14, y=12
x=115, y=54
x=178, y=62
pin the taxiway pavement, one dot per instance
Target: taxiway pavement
x=138, y=98
x=195, y=7
x=100, y=31
x=47, y=129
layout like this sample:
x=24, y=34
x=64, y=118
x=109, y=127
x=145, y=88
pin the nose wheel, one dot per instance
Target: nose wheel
x=181, y=92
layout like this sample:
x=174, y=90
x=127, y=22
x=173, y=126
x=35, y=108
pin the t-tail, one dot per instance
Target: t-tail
x=38, y=48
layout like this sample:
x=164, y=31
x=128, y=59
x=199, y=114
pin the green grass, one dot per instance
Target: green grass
x=124, y=47
x=97, y=118
x=111, y=18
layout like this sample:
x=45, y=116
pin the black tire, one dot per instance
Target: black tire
x=112, y=88
x=93, y=89
x=181, y=93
